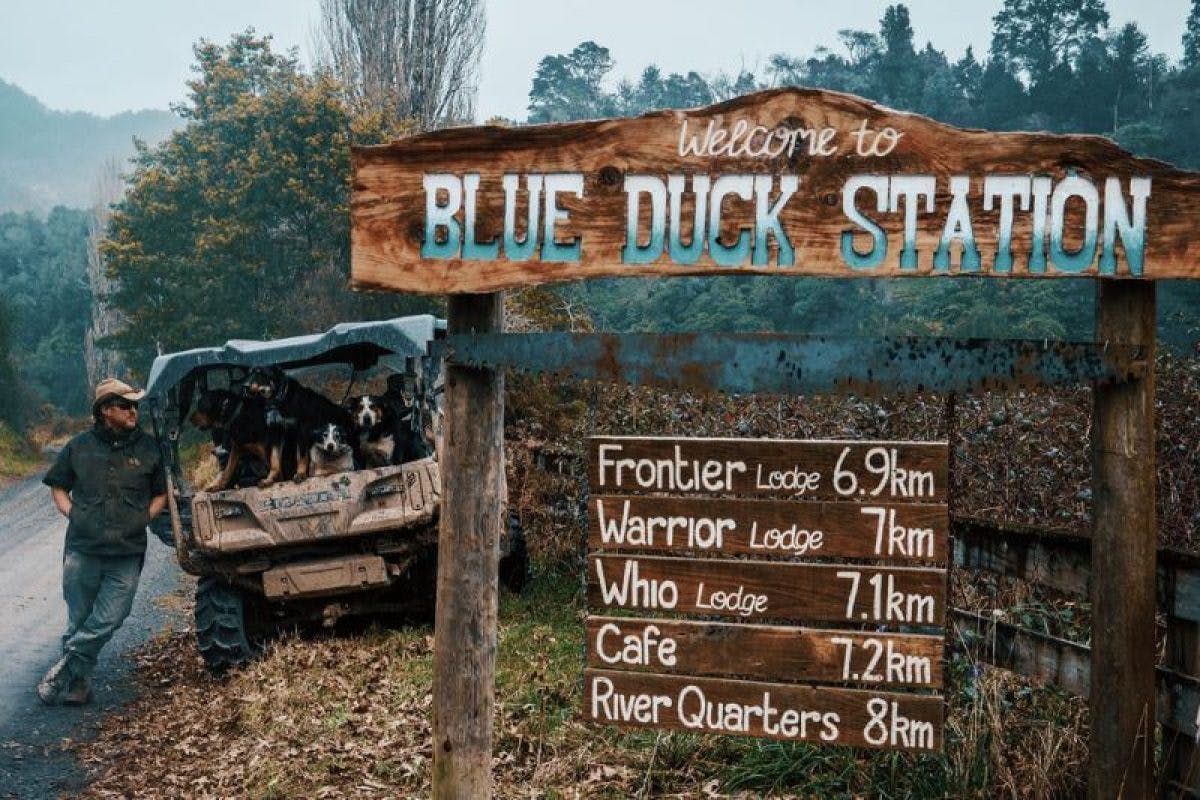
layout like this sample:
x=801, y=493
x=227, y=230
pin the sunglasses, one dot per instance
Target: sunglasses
x=124, y=405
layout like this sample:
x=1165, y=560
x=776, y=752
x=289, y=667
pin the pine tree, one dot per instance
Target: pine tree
x=10, y=400
x=899, y=76
x=1191, y=38
x=1002, y=98
x=1039, y=35
x=968, y=74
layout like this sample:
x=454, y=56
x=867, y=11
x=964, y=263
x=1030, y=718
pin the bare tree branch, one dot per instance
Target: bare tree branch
x=102, y=361
x=407, y=60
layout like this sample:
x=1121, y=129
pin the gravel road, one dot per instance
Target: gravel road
x=33, y=761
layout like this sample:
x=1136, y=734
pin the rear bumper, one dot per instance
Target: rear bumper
x=327, y=577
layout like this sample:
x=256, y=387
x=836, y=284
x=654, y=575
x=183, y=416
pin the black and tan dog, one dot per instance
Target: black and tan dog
x=292, y=410
x=383, y=427
x=237, y=425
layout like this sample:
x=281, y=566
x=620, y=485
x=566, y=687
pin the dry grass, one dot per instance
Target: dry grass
x=18, y=458
x=200, y=466
x=349, y=717
x=53, y=428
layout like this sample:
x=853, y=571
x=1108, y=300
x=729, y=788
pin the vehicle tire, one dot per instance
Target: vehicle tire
x=229, y=632
x=514, y=562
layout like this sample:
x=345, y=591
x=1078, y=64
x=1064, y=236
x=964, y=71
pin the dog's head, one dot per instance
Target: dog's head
x=214, y=409
x=263, y=382
x=367, y=411
x=330, y=439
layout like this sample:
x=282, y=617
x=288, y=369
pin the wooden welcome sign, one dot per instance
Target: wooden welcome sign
x=783, y=182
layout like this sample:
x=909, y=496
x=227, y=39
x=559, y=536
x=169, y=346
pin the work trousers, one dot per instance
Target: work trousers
x=99, y=591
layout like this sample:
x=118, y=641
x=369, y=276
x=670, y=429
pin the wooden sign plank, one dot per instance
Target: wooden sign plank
x=825, y=715
x=767, y=652
x=766, y=528
x=787, y=182
x=764, y=590
x=796, y=469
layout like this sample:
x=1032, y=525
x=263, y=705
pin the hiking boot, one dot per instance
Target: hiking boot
x=79, y=693
x=54, y=682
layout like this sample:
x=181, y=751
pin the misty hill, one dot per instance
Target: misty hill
x=50, y=158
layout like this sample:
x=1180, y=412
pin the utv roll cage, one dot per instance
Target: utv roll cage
x=177, y=379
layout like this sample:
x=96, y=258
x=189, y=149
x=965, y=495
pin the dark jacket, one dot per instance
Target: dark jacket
x=112, y=478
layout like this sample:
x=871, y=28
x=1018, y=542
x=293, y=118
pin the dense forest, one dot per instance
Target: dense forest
x=236, y=224
x=45, y=306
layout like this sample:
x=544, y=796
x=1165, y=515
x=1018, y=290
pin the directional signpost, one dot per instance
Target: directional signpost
x=851, y=537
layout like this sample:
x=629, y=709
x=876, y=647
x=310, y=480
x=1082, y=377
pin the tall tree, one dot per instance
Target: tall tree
x=11, y=400
x=1002, y=98
x=1038, y=35
x=1131, y=66
x=412, y=61
x=237, y=226
x=100, y=358
x=898, y=72
x=1191, y=37
x=568, y=87
x=968, y=75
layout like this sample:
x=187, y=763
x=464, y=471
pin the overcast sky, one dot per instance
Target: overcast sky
x=118, y=55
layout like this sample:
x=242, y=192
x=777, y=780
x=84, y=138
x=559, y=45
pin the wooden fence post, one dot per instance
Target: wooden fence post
x=1124, y=543
x=1181, y=754
x=472, y=471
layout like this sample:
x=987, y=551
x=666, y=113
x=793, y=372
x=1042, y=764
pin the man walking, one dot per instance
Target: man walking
x=109, y=483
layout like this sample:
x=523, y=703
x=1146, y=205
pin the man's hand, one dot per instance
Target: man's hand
x=62, y=500
x=157, y=504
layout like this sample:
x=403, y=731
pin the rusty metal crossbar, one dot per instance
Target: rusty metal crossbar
x=798, y=364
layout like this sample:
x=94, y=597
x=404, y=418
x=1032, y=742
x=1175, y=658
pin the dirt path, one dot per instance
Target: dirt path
x=33, y=762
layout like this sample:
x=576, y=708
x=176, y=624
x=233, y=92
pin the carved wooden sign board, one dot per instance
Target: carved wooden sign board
x=786, y=182
x=852, y=535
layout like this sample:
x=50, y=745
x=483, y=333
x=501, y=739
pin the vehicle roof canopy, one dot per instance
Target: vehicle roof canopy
x=359, y=344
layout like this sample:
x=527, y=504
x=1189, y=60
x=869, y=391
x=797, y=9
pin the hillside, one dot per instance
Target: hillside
x=50, y=158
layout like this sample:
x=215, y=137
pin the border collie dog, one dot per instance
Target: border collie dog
x=329, y=451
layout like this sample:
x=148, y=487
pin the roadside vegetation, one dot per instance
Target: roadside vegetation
x=17, y=456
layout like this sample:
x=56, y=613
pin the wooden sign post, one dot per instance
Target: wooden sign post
x=472, y=513
x=788, y=182
x=1124, y=551
x=647, y=671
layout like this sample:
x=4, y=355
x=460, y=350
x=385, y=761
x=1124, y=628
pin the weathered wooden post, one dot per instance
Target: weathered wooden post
x=1124, y=544
x=472, y=470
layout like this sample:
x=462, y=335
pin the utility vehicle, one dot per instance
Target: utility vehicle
x=358, y=542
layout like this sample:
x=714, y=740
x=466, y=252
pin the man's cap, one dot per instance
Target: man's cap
x=110, y=388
